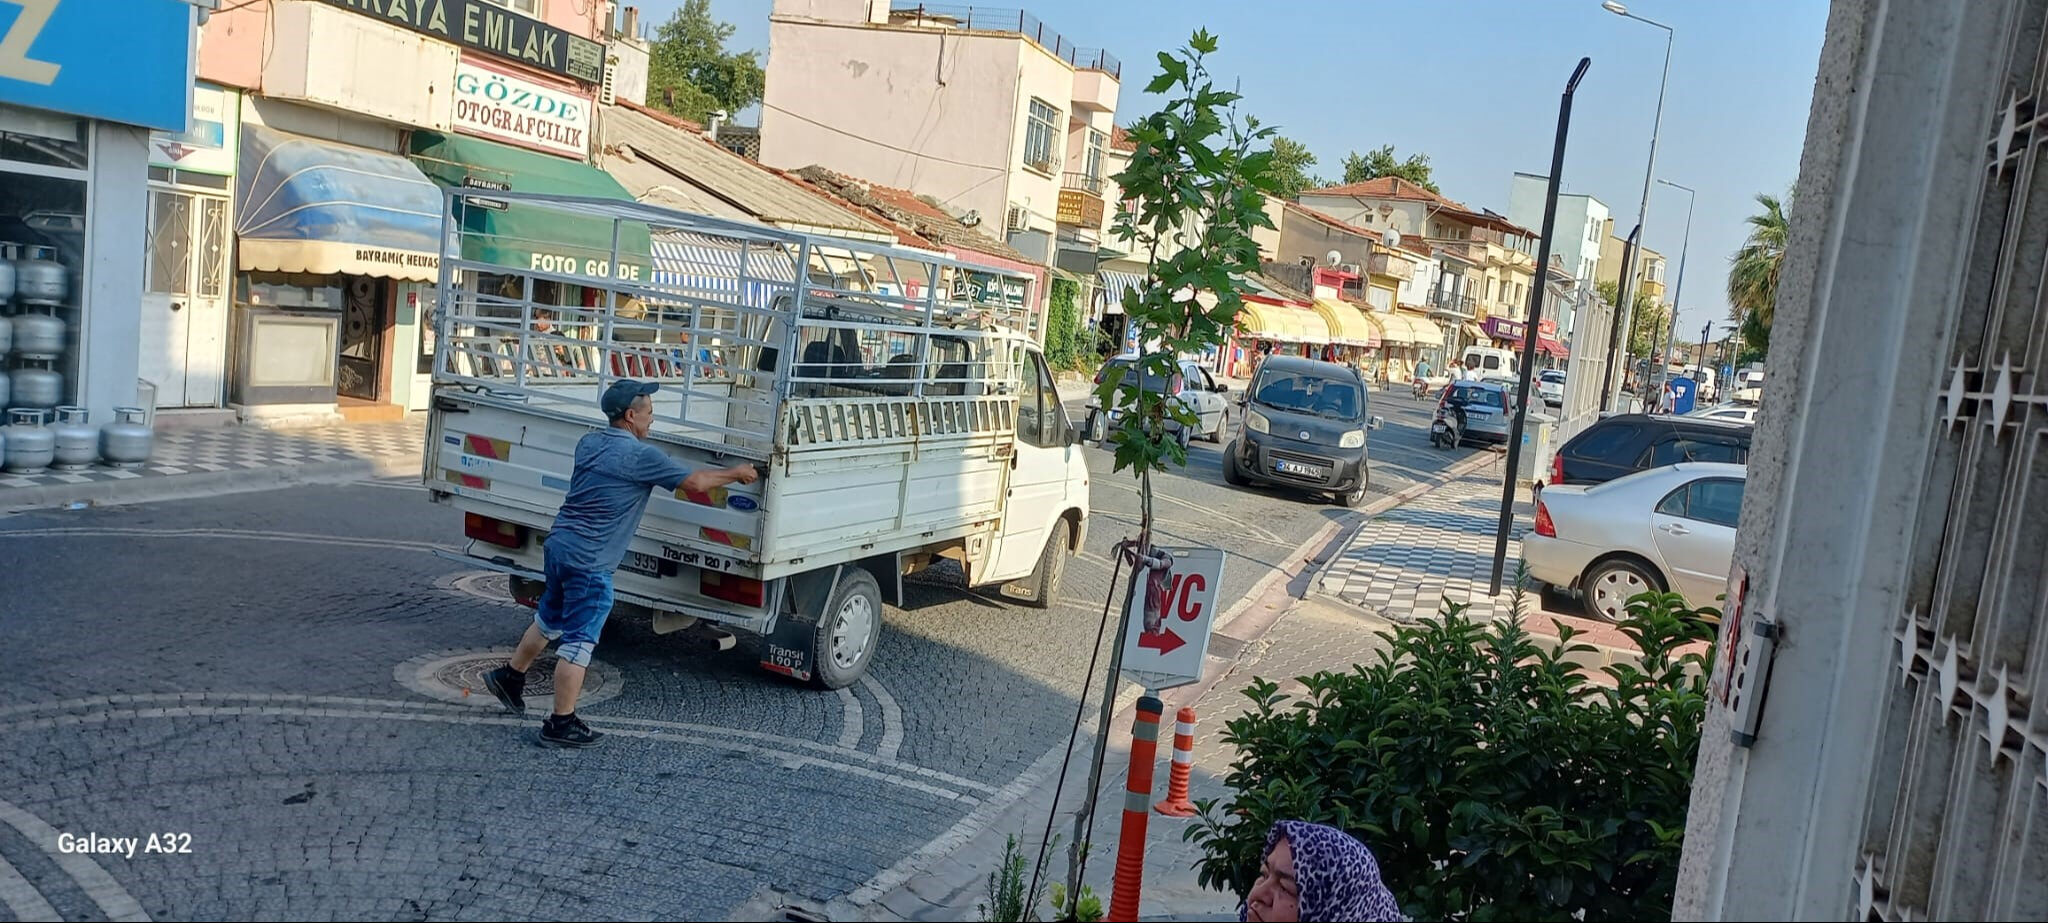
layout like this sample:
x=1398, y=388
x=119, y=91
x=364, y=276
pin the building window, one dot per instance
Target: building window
x=529, y=7
x=1094, y=156
x=1039, y=132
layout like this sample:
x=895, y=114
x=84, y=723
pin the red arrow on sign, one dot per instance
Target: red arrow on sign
x=1165, y=642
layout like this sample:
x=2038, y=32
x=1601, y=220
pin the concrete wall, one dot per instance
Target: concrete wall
x=231, y=45
x=930, y=111
x=1045, y=77
x=1893, y=169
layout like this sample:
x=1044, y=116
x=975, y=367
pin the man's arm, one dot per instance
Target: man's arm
x=657, y=469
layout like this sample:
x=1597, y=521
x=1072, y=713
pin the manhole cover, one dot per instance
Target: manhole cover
x=487, y=585
x=459, y=678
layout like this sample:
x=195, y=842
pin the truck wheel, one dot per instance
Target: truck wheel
x=1232, y=474
x=1052, y=565
x=848, y=630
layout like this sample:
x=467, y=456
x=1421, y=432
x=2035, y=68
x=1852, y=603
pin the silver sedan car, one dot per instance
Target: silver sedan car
x=1670, y=528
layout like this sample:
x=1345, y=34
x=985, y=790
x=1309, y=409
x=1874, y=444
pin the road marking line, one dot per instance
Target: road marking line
x=466, y=713
x=851, y=721
x=892, y=719
x=113, y=900
x=22, y=899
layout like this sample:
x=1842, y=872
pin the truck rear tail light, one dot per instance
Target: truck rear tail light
x=1544, y=526
x=740, y=591
x=496, y=531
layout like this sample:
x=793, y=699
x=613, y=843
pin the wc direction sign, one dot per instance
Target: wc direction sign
x=1173, y=652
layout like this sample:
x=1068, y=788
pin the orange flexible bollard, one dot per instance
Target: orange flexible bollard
x=1177, y=803
x=1130, y=847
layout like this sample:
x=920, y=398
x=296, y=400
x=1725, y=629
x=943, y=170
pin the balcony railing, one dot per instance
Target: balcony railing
x=1081, y=181
x=1454, y=303
x=1005, y=19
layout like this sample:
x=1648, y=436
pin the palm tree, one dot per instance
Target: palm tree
x=1753, y=271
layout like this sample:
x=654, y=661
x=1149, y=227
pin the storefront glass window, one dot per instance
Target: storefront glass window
x=43, y=138
x=290, y=290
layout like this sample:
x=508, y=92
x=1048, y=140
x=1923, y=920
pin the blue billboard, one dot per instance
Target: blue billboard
x=119, y=60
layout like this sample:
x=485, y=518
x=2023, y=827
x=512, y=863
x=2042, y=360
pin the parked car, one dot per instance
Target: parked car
x=1488, y=406
x=1196, y=389
x=1305, y=426
x=1550, y=386
x=1624, y=444
x=1730, y=413
x=1665, y=529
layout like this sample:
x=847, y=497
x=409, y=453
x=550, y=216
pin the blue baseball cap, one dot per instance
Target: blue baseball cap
x=620, y=396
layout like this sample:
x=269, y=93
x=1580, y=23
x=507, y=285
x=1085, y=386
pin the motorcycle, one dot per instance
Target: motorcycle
x=1421, y=388
x=1447, y=429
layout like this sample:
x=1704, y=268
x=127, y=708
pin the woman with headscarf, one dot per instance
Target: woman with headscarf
x=1314, y=872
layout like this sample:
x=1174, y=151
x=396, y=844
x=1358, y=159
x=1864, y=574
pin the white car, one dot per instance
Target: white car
x=1550, y=386
x=1670, y=528
x=1733, y=413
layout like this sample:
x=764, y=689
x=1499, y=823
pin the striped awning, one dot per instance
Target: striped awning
x=1347, y=324
x=1111, y=287
x=702, y=265
x=1282, y=324
x=1395, y=329
x=1426, y=333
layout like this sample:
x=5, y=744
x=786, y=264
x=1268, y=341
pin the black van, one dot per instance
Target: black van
x=1305, y=426
x=1627, y=443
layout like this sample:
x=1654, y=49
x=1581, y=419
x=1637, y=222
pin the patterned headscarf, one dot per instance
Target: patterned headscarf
x=1336, y=875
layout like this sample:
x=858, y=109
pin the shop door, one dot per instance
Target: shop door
x=185, y=306
x=362, y=339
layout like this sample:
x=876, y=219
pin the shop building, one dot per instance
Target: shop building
x=354, y=116
x=75, y=152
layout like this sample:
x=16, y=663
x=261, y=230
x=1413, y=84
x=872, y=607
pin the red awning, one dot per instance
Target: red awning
x=1552, y=346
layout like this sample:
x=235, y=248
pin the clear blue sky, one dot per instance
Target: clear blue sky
x=1475, y=83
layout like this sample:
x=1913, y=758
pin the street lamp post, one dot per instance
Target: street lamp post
x=1677, y=292
x=1627, y=306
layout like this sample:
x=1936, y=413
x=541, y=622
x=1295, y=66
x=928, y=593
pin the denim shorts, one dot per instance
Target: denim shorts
x=572, y=609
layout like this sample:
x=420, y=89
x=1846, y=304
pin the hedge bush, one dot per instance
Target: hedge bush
x=1491, y=776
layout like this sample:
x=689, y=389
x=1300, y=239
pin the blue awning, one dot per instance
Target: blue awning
x=1114, y=284
x=707, y=266
x=306, y=205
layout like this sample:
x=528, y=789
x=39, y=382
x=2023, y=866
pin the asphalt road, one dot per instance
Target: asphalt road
x=279, y=676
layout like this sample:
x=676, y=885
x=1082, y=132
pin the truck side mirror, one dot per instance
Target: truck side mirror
x=1375, y=422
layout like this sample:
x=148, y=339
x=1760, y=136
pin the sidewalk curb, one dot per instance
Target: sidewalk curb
x=208, y=483
x=1245, y=629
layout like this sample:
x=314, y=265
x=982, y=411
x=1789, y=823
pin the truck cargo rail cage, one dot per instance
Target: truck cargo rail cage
x=544, y=300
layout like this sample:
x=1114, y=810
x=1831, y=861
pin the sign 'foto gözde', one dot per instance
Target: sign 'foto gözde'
x=1171, y=652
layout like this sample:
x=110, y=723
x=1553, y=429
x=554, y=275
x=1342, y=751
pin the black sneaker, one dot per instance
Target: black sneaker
x=567, y=731
x=509, y=686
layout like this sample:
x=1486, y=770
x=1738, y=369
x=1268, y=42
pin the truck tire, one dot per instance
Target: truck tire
x=848, y=631
x=1052, y=565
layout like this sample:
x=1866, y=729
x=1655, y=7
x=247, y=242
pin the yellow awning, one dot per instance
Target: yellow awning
x=1347, y=325
x=1395, y=328
x=1427, y=333
x=1475, y=331
x=1284, y=324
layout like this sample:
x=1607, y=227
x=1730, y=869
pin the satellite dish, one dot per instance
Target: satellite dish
x=972, y=218
x=1333, y=257
x=1390, y=237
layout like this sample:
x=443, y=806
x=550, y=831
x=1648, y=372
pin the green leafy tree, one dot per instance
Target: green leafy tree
x=1197, y=164
x=1648, y=325
x=1753, y=274
x=1291, y=163
x=1063, y=327
x=689, y=72
x=1379, y=162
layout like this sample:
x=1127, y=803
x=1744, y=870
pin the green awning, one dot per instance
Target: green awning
x=523, y=236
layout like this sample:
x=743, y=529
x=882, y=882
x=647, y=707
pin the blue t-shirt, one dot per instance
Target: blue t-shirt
x=607, y=495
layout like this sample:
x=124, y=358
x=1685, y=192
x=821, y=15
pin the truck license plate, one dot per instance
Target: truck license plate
x=1307, y=471
x=643, y=564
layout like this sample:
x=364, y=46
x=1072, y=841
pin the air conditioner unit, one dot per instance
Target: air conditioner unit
x=608, y=92
x=1019, y=218
x=1351, y=268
